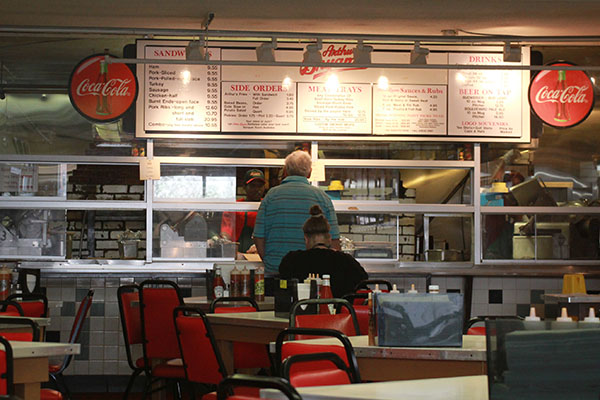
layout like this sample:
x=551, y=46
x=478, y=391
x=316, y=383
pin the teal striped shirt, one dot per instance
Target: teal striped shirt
x=282, y=213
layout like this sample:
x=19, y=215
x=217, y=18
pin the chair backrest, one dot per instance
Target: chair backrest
x=343, y=322
x=33, y=304
x=199, y=352
x=225, y=388
x=290, y=348
x=337, y=372
x=6, y=368
x=470, y=329
x=233, y=309
x=158, y=299
x=131, y=321
x=34, y=335
x=10, y=308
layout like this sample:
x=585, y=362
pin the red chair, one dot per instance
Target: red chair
x=6, y=369
x=343, y=322
x=33, y=336
x=56, y=370
x=363, y=286
x=338, y=372
x=131, y=322
x=245, y=355
x=362, y=310
x=9, y=308
x=33, y=305
x=344, y=350
x=227, y=385
x=470, y=329
x=158, y=299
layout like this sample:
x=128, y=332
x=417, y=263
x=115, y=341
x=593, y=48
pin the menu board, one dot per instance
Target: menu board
x=181, y=97
x=484, y=102
x=341, y=108
x=258, y=107
x=409, y=110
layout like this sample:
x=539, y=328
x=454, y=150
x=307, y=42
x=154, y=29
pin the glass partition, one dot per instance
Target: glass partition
x=395, y=150
x=34, y=233
x=32, y=180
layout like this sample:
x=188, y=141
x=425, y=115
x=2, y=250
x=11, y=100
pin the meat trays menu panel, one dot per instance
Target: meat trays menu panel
x=258, y=107
x=409, y=110
x=345, y=108
x=484, y=102
x=181, y=97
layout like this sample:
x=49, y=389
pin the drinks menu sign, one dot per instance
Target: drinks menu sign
x=102, y=92
x=561, y=98
x=185, y=100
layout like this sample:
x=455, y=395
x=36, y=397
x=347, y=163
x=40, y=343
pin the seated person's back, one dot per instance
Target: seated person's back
x=344, y=270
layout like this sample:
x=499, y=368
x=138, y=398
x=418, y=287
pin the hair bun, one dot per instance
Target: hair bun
x=315, y=210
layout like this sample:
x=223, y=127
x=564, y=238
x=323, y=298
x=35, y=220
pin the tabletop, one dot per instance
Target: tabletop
x=42, y=322
x=43, y=349
x=459, y=388
x=250, y=319
x=268, y=304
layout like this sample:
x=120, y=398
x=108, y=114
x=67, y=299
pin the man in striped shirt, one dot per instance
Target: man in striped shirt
x=285, y=208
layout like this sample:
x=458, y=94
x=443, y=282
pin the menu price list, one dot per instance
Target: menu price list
x=345, y=108
x=181, y=98
x=410, y=110
x=258, y=107
x=484, y=103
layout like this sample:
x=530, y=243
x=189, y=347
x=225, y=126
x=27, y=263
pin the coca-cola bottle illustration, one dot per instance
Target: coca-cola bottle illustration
x=561, y=113
x=102, y=106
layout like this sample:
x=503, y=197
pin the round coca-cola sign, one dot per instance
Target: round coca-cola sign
x=561, y=98
x=100, y=91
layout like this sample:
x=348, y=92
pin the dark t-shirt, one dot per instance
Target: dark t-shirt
x=344, y=270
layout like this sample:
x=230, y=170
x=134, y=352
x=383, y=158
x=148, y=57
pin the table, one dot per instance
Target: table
x=458, y=388
x=377, y=363
x=254, y=327
x=268, y=304
x=43, y=323
x=31, y=364
x=578, y=304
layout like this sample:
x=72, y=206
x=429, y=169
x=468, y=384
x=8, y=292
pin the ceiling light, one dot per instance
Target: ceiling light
x=362, y=53
x=266, y=52
x=418, y=55
x=196, y=51
x=312, y=55
x=512, y=53
x=287, y=82
x=332, y=83
x=383, y=83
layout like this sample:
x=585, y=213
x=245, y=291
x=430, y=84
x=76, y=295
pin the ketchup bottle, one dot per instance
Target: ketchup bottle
x=325, y=293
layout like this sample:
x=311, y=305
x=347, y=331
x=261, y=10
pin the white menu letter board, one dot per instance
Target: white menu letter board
x=345, y=108
x=258, y=107
x=484, y=102
x=180, y=97
x=409, y=110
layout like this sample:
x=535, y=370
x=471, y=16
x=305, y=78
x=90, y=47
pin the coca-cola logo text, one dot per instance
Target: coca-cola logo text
x=561, y=98
x=331, y=54
x=102, y=91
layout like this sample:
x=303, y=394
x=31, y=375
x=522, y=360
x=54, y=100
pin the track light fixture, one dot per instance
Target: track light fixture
x=266, y=51
x=512, y=53
x=418, y=55
x=196, y=51
x=312, y=55
x=362, y=53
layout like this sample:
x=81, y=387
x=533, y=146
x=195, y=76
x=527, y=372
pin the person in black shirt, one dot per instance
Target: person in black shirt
x=319, y=258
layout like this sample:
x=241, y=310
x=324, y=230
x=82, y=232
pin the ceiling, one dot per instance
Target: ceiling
x=45, y=60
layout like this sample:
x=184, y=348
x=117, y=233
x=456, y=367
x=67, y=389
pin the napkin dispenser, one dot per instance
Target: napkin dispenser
x=286, y=293
x=419, y=319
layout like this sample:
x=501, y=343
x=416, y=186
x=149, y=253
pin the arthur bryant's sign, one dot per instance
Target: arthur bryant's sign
x=100, y=91
x=561, y=98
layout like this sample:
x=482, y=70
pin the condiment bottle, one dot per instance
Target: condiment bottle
x=435, y=289
x=5, y=282
x=325, y=293
x=377, y=290
x=394, y=289
x=259, y=284
x=564, y=317
x=532, y=316
x=412, y=289
x=218, y=284
x=245, y=284
x=372, y=329
x=591, y=318
x=235, y=282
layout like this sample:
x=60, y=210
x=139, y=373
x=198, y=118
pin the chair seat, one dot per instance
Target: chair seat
x=320, y=378
x=476, y=330
x=10, y=314
x=18, y=336
x=50, y=394
x=166, y=370
x=54, y=368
